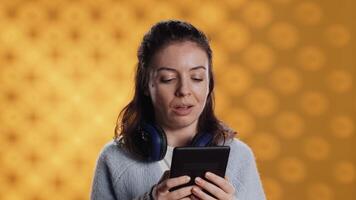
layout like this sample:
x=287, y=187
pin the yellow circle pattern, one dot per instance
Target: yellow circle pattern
x=285, y=80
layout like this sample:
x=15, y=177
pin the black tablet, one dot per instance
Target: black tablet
x=196, y=161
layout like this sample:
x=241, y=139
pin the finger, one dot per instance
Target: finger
x=200, y=194
x=213, y=189
x=181, y=193
x=172, y=182
x=192, y=197
x=222, y=183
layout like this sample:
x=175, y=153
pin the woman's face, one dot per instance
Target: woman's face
x=179, y=84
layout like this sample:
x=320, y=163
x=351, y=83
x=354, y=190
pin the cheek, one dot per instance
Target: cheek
x=160, y=96
x=201, y=92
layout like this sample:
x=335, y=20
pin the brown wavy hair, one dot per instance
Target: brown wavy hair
x=140, y=108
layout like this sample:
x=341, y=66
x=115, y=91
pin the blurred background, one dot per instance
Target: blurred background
x=285, y=74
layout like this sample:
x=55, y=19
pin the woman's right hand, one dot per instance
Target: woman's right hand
x=161, y=190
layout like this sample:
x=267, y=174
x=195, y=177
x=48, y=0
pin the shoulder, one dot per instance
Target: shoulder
x=239, y=151
x=115, y=158
x=110, y=149
x=242, y=171
x=114, y=151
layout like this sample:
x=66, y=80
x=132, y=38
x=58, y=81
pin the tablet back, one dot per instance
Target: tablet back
x=196, y=161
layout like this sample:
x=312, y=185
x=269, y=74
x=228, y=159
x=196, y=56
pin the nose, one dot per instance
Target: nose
x=183, y=89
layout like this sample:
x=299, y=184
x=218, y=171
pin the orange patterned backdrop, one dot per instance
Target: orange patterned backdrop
x=285, y=74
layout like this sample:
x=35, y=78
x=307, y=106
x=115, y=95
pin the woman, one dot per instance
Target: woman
x=172, y=104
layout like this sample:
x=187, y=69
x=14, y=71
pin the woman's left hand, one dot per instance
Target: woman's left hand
x=221, y=189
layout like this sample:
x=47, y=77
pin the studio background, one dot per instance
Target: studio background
x=285, y=74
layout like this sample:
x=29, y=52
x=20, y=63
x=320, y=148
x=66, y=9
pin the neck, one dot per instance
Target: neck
x=181, y=136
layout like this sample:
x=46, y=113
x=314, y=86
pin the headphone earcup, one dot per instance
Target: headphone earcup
x=202, y=140
x=156, y=141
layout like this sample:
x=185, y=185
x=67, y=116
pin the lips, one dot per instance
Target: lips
x=182, y=110
x=183, y=106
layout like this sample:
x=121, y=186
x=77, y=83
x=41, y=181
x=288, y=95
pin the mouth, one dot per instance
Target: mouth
x=182, y=110
x=183, y=106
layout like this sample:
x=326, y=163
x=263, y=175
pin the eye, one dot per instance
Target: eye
x=167, y=80
x=197, y=79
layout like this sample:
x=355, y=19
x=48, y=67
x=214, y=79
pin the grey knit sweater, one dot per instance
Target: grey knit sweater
x=119, y=177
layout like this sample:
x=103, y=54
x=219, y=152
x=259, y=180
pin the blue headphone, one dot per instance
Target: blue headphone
x=153, y=141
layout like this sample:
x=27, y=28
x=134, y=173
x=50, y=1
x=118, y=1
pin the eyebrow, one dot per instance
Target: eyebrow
x=171, y=69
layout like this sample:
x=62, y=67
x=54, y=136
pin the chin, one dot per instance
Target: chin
x=183, y=122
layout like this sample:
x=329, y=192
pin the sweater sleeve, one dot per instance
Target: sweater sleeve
x=102, y=186
x=116, y=176
x=251, y=179
x=145, y=196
